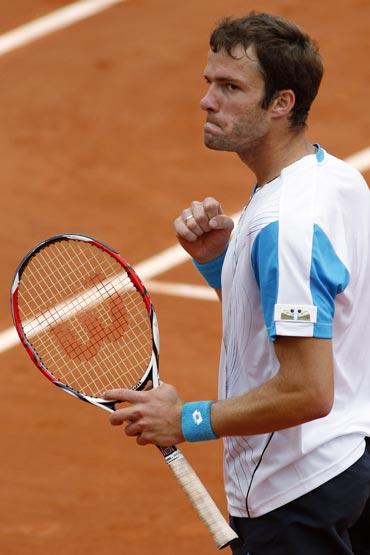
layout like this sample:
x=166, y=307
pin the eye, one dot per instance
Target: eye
x=231, y=87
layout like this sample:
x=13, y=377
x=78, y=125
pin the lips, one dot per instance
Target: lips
x=211, y=127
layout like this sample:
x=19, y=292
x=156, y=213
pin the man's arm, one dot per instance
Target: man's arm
x=203, y=230
x=301, y=391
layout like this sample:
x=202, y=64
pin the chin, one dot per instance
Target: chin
x=217, y=143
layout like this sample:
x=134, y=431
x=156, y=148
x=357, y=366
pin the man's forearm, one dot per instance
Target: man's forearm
x=273, y=406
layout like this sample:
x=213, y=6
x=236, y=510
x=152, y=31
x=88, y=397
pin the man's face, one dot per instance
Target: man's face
x=235, y=120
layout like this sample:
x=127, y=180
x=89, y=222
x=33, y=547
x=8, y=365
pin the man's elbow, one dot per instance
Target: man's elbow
x=320, y=403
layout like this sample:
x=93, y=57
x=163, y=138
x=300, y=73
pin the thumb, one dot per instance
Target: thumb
x=221, y=222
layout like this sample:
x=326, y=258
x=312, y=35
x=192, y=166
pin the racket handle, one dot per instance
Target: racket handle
x=201, y=500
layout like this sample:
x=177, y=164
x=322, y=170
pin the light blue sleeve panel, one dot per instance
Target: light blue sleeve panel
x=265, y=263
x=328, y=277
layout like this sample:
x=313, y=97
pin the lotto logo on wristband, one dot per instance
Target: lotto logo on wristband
x=196, y=421
x=197, y=417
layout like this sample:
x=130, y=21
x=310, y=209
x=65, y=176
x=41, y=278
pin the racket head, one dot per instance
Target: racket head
x=85, y=318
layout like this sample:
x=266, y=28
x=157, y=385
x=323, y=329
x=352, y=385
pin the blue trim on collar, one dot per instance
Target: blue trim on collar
x=320, y=153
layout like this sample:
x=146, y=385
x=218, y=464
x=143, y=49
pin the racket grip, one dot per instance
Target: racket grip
x=201, y=500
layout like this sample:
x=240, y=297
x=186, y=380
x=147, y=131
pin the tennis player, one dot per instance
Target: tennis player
x=294, y=387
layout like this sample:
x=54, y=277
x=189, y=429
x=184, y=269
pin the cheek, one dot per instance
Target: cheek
x=255, y=116
x=232, y=117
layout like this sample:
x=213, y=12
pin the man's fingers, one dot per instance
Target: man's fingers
x=183, y=230
x=120, y=416
x=212, y=207
x=195, y=220
x=117, y=418
x=140, y=440
x=221, y=222
x=200, y=218
x=133, y=428
x=202, y=213
x=127, y=414
x=123, y=395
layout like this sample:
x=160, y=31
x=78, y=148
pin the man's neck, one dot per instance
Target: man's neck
x=270, y=157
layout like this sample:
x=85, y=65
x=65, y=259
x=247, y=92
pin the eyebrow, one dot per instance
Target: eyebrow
x=224, y=79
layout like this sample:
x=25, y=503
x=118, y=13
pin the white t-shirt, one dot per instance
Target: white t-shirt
x=298, y=264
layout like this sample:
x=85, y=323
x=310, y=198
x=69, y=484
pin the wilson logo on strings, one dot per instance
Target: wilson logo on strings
x=92, y=323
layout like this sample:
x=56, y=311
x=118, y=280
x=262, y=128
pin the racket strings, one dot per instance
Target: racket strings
x=108, y=360
x=93, y=330
x=112, y=372
x=47, y=280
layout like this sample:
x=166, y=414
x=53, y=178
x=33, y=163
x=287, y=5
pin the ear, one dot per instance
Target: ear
x=282, y=104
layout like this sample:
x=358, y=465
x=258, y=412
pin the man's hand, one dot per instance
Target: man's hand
x=153, y=416
x=203, y=230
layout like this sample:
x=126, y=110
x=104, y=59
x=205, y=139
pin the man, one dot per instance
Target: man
x=294, y=407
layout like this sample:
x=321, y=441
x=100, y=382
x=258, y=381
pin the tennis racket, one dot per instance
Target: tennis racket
x=88, y=323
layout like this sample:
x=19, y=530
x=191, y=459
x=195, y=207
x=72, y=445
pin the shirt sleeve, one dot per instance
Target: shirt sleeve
x=298, y=280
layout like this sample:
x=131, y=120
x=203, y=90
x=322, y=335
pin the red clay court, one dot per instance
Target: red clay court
x=101, y=133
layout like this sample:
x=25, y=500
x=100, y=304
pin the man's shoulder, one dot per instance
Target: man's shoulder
x=340, y=168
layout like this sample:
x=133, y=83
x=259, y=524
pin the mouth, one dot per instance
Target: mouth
x=211, y=127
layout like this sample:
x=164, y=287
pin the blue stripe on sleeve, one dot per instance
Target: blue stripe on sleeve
x=265, y=263
x=328, y=278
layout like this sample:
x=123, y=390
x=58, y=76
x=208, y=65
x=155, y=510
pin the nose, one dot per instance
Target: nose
x=209, y=101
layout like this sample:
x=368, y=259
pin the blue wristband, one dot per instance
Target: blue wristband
x=196, y=421
x=211, y=271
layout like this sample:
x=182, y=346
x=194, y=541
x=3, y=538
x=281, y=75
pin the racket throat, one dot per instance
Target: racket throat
x=109, y=406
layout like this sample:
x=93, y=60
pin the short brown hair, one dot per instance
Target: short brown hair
x=288, y=57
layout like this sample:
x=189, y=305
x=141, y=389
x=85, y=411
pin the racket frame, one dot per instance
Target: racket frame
x=150, y=373
x=208, y=511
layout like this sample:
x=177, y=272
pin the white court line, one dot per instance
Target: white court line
x=172, y=257
x=160, y=263
x=52, y=22
x=361, y=160
x=202, y=292
x=8, y=339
